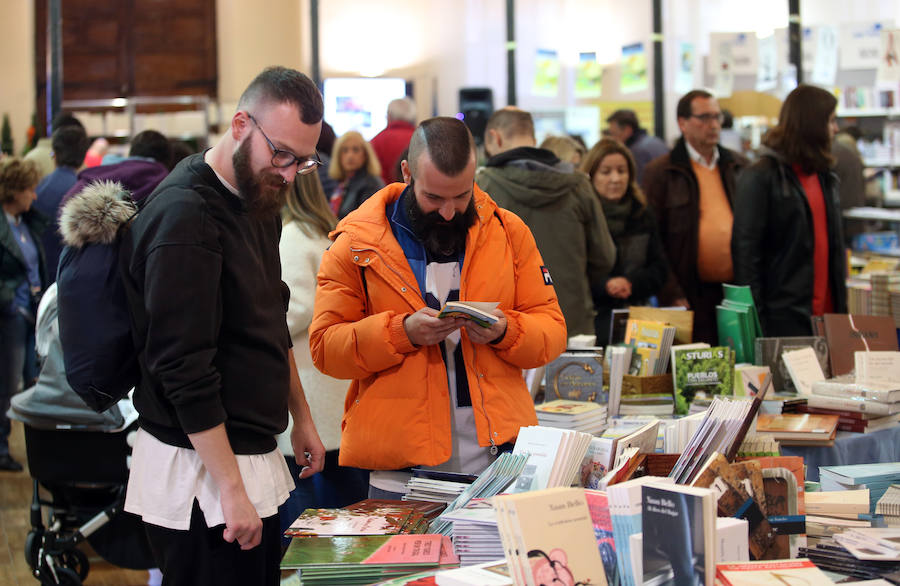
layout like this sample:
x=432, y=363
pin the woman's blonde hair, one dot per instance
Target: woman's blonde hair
x=567, y=149
x=308, y=206
x=604, y=148
x=336, y=171
x=17, y=175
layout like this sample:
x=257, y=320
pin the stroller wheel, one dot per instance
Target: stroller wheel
x=76, y=561
x=67, y=577
x=32, y=548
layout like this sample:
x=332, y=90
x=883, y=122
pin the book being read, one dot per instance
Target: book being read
x=479, y=312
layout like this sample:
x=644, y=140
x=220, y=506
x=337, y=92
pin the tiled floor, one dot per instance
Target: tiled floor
x=15, y=500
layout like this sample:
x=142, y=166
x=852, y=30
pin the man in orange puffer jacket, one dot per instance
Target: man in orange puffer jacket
x=441, y=393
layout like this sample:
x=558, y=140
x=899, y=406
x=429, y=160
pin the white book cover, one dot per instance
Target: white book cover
x=804, y=368
x=733, y=540
x=857, y=404
x=493, y=573
x=877, y=367
x=542, y=444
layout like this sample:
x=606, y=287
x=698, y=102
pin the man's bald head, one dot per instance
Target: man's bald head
x=447, y=141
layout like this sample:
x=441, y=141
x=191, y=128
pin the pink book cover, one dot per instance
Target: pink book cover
x=408, y=549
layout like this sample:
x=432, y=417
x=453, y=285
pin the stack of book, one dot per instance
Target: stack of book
x=554, y=457
x=583, y=416
x=738, y=321
x=434, y=489
x=799, y=429
x=831, y=512
x=873, y=544
x=870, y=293
x=549, y=533
x=504, y=470
x=476, y=538
x=876, y=477
x=888, y=506
x=652, y=341
x=625, y=503
x=365, y=559
x=835, y=558
x=701, y=371
x=860, y=407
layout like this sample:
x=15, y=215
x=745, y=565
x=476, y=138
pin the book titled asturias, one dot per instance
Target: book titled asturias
x=706, y=370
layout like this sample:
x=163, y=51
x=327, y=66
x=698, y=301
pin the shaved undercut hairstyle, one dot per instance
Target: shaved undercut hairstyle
x=510, y=122
x=279, y=85
x=446, y=140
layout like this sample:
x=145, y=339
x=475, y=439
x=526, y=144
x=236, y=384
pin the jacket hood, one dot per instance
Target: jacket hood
x=138, y=176
x=534, y=186
x=369, y=222
x=94, y=215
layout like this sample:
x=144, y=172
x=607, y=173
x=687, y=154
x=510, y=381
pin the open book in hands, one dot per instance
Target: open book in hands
x=477, y=311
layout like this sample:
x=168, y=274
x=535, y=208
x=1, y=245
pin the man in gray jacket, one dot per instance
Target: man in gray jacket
x=558, y=205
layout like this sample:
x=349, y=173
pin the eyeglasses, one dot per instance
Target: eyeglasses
x=707, y=118
x=282, y=158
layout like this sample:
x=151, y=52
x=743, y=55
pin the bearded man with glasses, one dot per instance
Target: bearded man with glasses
x=201, y=269
x=691, y=190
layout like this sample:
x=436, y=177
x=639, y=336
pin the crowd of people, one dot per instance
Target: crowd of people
x=288, y=271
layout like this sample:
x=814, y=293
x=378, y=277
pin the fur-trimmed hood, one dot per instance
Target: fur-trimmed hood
x=95, y=214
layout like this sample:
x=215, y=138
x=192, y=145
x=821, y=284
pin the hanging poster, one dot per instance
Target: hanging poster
x=634, y=76
x=860, y=45
x=588, y=76
x=889, y=57
x=825, y=66
x=767, y=69
x=684, y=70
x=743, y=51
x=546, y=74
x=724, y=75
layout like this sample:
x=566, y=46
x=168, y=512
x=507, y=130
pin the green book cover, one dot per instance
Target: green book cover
x=710, y=370
x=743, y=294
x=325, y=552
x=734, y=331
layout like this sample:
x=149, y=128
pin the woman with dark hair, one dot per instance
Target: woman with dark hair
x=640, y=270
x=307, y=220
x=786, y=243
x=22, y=280
x=357, y=171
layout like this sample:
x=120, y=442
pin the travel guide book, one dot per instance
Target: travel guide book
x=709, y=371
x=477, y=311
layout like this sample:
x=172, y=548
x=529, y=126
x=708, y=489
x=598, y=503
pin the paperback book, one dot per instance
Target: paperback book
x=479, y=312
x=701, y=370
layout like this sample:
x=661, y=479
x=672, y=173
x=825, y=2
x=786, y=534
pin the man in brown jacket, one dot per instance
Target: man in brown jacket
x=691, y=191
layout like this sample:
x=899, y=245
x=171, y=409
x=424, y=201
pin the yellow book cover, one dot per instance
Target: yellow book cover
x=644, y=334
x=556, y=535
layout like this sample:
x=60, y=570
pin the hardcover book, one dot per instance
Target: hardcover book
x=797, y=426
x=576, y=376
x=848, y=333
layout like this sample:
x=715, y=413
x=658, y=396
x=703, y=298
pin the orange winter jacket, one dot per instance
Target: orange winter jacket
x=397, y=410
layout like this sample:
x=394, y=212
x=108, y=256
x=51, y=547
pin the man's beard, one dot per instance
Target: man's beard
x=440, y=237
x=265, y=193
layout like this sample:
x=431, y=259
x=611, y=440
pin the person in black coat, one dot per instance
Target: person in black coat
x=357, y=171
x=787, y=243
x=641, y=268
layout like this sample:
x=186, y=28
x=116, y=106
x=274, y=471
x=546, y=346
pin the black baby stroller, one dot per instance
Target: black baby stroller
x=80, y=459
x=85, y=474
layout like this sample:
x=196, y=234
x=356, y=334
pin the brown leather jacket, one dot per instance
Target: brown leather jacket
x=673, y=193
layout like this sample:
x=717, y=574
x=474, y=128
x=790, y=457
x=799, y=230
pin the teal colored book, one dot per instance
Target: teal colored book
x=706, y=370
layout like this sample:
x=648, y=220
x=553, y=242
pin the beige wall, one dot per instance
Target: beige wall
x=17, y=54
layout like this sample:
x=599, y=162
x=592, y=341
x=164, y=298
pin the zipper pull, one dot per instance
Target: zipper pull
x=494, y=448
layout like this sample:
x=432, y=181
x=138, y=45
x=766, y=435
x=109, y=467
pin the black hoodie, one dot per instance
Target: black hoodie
x=203, y=278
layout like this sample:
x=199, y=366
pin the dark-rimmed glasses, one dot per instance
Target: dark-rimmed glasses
x=706, y=118
x=282, y=158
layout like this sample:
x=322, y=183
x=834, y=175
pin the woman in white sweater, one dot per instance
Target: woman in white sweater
x=307, y=219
